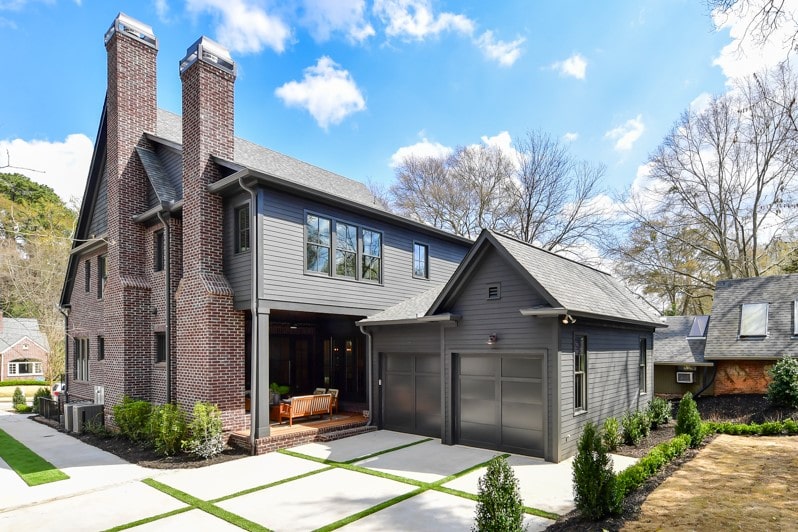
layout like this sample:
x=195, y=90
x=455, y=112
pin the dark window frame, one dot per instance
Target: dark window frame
x=368, y=256
x=420, y=264
x=345, y=251
x=158, y=251
x=160, y=347
x=319, y=243
x=580, y=371
x=102, y=274
x=642, y=367
x=242, y=225
x=81, y=357
x=101, y=348
x=87, y=274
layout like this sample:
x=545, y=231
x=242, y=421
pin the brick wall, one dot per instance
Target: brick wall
x=742, y=376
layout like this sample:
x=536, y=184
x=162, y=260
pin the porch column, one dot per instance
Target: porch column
x=260, y=374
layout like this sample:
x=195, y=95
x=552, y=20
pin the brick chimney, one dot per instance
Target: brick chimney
x=210, y=336
x=131, y=110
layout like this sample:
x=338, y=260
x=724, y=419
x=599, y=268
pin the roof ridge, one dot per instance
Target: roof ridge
x=519, y=241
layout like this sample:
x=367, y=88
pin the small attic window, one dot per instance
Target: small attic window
x=699, y=327
x=753, y=320
x=24, y=347
x=495, y=291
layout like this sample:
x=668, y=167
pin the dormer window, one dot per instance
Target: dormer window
x=795, y=318
x=753, y=320
x=699, y=327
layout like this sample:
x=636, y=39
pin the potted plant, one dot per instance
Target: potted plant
x=277, y=391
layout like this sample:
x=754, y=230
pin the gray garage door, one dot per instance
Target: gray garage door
x=412, y=393
x=500, y=403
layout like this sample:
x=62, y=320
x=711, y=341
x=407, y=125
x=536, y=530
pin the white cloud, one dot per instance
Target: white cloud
x=162, y=10
x=415, y=19
x=575, y=66
x=746, y=54
x=570, y=136
x=325, y=17
x=505, y=53
x=502, y=141
x=425, y=148
x=243, y=26
x=63, y=166
x=328, y=93
x=627, y=134
x=701, y=102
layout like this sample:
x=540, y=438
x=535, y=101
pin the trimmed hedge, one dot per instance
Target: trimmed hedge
x=633, y=476
x=28, y=382
x=769, y=428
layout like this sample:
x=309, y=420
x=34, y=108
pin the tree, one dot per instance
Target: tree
x=537, y=192
x=723, y=190
x=35, y=240
x=766, y=17
x=499, y=504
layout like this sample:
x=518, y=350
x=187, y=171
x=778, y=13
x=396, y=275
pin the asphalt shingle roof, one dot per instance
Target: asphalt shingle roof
x=780, y=292
x=278, y=165
x=408, y=309
x=15, y=329
x=671, y=344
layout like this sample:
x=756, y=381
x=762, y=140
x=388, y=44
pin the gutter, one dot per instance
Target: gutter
x=254, y=405
x=167, y=254
x=435, y=318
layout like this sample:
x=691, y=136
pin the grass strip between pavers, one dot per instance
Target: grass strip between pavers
x=30, y=467
x=207, y=507
x=270, y=485
x=386, y=451
x=146, y=520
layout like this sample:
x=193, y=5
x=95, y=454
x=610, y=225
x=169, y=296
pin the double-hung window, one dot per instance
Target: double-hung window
x=82, y=359
x=87, y=273
x=241, y=236
x=345, y=250
x=158, y=251
x=420, y=260
x=372, y=255
x=102, y=275
x=318, y=239
x=160, y=347
x=101, y=348
x=580, y=373
x=25, y=367
x=642, y=370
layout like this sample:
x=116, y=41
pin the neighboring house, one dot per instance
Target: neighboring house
x=516, y=352
x=754, y=322
x=679, y=364
x=205, y=267
x=23, y=349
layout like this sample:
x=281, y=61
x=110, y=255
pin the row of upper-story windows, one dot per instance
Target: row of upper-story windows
x=81, y=354
x=102, y=275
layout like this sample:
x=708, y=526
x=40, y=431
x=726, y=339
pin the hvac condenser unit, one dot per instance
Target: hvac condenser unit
x=684, y=377
x=85, y=413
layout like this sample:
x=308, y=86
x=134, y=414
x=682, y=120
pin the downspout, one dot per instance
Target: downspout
x=254, y=405
x=167, y=239
x=66, y=353
x=368, y=372
x=708, y=384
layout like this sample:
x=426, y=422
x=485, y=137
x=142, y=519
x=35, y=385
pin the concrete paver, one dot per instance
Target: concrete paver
x=357, y=446
x=193, y=520
x=95, y=510
x=237, y=475
x=315, y=501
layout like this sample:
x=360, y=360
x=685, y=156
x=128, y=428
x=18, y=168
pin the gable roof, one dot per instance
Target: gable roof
x=677, y=345
x=14, y=330
x=723, y=338
x=568, y=286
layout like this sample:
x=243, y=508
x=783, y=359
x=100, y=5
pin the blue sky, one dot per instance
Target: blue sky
x=349, y=85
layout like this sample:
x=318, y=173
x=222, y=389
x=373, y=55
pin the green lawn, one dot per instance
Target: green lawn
x=31, y=467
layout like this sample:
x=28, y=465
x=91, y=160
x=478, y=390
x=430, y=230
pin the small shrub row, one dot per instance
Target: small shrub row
x=688, y=421
x=595, y=492
x=611, y=434
x=659, y=412
x=633, y=476
x=636, y=426
x=24, y=382
x=769, y=428
x=164, y=427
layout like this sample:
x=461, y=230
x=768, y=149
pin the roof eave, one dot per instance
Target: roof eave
x=436, y=318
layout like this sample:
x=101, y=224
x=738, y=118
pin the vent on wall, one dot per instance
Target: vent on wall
x=494, y=291
x=684, y=377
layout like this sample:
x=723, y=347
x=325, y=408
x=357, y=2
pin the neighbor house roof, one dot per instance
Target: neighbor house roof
x=569, y=287
x=682, y=342
x=724, y=340
x=14, y=330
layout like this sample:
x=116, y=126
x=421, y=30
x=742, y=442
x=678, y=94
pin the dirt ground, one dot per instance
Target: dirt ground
x=734, y=483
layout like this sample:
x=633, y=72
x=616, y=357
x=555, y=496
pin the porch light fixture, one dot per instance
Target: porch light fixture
x=493, y=338
x=568, y=319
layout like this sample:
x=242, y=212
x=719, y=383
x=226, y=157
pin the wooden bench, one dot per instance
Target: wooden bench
x=306, y=405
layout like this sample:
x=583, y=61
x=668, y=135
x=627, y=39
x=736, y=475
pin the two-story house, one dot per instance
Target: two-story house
x=23, y=349
x=205, y=267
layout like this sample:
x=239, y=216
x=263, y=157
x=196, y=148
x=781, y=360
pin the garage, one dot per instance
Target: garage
x=412, y=393
x=500, y=403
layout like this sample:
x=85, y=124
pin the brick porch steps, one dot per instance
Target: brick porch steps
x=282, y=436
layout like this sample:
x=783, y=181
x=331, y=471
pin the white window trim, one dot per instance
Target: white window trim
x=749, y=334
x=17, y=373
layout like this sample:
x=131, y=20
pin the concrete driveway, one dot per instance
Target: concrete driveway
x=375, y=481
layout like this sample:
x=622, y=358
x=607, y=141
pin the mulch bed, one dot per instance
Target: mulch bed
x=146, y=456
x=733, y=408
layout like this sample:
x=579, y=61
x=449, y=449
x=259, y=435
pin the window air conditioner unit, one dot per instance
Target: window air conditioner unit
x=684, y=377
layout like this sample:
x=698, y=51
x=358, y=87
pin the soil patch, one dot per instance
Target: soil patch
x=734, y=408
x=145, y=456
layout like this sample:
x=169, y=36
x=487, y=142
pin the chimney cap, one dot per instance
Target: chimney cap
x=211, y=52
x=136, y=29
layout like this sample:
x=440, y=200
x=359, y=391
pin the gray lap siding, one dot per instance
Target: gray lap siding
x=612, y=377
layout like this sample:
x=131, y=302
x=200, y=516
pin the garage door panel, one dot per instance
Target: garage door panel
x=478, y=366
x=479, y=434
x=479, y=411
x=521, y=439
x=428, y=396
x=395, y=363
x=428, y=364
x=476, y=388
x=522, y=392
x=522, y=416
x=398, y=400
x=412, y=394
x=526, y=368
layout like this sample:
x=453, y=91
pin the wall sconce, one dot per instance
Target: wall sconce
x=493, y=338
x=568, y=319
